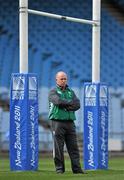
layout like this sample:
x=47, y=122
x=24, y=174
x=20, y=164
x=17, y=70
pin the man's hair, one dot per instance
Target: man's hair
x=59, y=72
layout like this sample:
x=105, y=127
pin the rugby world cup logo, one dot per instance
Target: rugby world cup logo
x=18, y=88
x=18, y=83
x=90, y=95
x=32, y=88
x=103, y=95
x=32, y=83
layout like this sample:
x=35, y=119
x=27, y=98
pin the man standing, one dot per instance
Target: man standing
x=62, y=106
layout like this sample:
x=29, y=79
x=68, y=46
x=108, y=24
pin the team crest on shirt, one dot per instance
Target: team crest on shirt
x=70, y=94
x=59, y=92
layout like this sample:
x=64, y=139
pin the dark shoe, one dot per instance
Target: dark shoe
x=59, y=171
x=78, y=171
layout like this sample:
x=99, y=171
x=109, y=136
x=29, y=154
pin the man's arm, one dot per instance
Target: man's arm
x=56, y=100
x=75, y=104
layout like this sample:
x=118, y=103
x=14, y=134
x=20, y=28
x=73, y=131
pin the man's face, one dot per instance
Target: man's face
x=61, y=79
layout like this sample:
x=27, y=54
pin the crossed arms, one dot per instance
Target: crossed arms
x=69, y=105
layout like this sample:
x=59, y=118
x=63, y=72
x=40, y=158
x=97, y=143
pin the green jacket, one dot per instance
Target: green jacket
x=63, y=104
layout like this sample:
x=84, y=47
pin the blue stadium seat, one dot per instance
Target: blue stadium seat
x=59, y=45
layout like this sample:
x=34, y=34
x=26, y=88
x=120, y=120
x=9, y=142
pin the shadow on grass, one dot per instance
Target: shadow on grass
x=105, y=172
x=52, y=172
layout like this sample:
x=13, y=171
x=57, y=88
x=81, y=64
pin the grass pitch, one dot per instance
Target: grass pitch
x=46, y=171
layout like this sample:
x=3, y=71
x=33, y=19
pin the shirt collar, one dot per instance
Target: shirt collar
x=61, y=87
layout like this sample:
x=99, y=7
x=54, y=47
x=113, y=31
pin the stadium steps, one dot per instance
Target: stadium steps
x=55, y=45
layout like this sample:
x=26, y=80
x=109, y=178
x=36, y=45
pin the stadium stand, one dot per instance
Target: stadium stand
x=47, y=55
x=57, y=45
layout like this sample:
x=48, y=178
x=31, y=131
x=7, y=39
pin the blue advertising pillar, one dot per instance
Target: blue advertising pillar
x=95, y=126
x=24, y=122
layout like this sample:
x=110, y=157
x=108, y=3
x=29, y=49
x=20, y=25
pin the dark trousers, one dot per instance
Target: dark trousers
x=65, y=132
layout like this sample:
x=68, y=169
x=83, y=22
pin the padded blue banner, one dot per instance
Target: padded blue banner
x=95, y=126
x=24, y=122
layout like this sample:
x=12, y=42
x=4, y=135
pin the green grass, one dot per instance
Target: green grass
x=46, y=171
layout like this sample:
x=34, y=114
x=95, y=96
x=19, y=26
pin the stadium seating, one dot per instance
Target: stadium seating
x=120, y=2
x=57, y=45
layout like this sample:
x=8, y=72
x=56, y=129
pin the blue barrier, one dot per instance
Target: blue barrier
x=24, y=122
x=95, y=126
